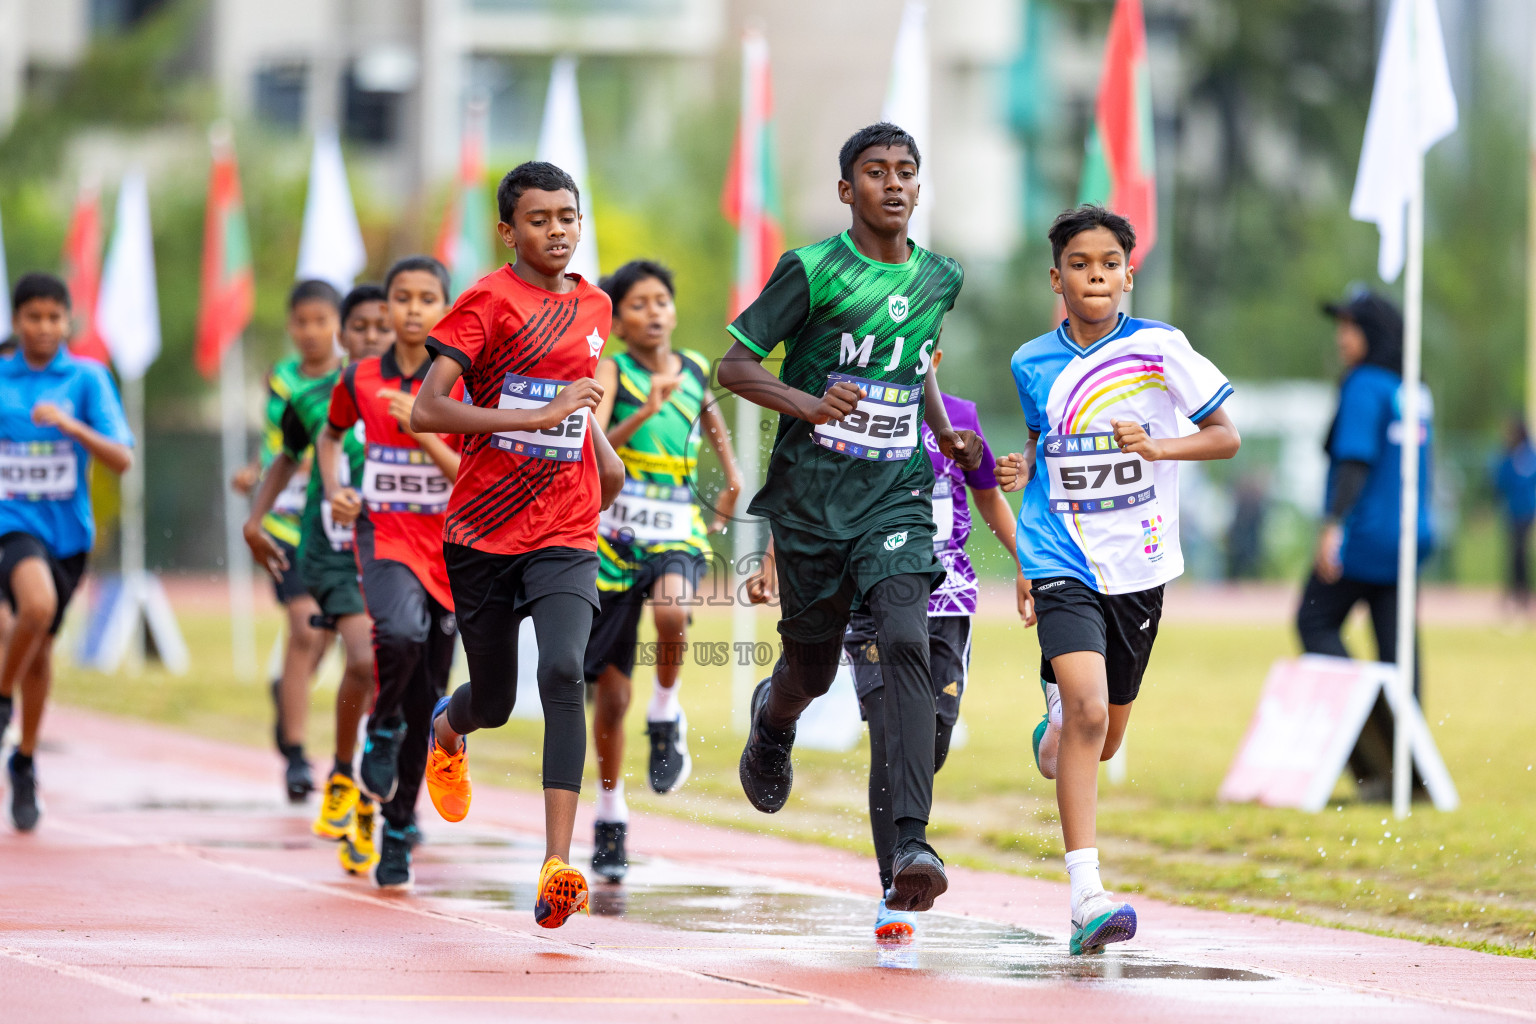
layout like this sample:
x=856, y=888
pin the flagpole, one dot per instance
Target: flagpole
x=1408, y=538
x=745, y=548
x=133, y=523
x=237, y=558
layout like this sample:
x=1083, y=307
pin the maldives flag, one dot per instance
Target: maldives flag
x=463, y=245
x=82, y=274
x=1118, y=169
x=229, y=283
x=751, y=197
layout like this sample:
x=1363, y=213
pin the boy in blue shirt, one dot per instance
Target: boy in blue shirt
x=56, y=413
x=1098, y=533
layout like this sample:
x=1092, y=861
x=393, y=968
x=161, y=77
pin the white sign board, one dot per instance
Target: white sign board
x=1306, y=724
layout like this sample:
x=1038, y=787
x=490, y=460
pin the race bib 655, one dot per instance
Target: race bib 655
x=404, y=480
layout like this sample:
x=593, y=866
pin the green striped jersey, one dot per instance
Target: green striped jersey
x=304, y=415
x=284, y=381
x=664, y=454
x=842, y=315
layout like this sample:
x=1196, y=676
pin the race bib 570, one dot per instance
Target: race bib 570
x=561, y=442
x=38, y=470
x=881, y=428
x=1089, y=473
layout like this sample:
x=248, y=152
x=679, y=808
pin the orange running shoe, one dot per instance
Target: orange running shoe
x=562, y=892
x=447, y=774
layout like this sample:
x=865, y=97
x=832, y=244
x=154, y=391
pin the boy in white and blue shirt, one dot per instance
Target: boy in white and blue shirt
x=56, y=414
x=1098, y=532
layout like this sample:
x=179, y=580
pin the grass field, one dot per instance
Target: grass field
x=1465, y=878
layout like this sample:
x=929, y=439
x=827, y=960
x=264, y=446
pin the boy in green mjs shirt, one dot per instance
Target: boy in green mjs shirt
x=327, y=567
x=848, y=493
x=652, y=542
x=312, y=309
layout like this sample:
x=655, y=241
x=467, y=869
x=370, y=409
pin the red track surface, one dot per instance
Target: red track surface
x=168, y=883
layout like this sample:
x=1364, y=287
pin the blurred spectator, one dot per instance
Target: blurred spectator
x=1245, y=535
x=1514, y=476
x=1356, y=558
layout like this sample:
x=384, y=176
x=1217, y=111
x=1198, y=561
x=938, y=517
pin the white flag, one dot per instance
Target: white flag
x=1412, y=108
x=127, y=308
x=331, y=246
x=5, y=291
x=908, y=99
x=562, y=143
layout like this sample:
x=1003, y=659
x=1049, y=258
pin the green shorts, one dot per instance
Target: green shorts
x=331, y=577
x=821, y=579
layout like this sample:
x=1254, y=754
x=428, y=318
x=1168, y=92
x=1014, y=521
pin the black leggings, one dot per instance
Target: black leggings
x=882, y=823
x=899, y=605
x=412, y=655
x=562, y=623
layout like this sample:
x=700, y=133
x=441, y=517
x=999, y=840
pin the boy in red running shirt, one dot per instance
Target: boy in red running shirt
x=521, y=537
x=399, y=509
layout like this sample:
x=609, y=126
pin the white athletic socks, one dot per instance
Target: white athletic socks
x=611, y=807
x=664, y=706
x=1083, y=869
x=1053, y=704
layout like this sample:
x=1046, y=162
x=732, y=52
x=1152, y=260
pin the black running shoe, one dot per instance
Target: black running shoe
x=378, y=773
x=609, y=858
x=297, y=776
x=670, y=762
x=394, y=870
x=766, y=773
x=917, y=878
x=5, y=717
x=24, y=809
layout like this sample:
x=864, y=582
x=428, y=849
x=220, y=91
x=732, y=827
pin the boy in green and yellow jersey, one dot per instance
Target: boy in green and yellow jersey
x=312, y=325
x=652, y=542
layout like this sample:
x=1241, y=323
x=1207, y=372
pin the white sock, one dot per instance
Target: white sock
x=611, y=807
x=1053, y=704
x=664, y=706
x=1083, y=869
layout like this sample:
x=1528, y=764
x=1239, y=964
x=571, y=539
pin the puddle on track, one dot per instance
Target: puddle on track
x=831, y=931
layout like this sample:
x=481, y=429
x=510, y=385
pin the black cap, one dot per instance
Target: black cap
x=1378, y=319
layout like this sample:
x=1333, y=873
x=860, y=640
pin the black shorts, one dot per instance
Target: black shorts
x=949, y=660
x=292, y=583
x=1121, y=627
x=66, y=571
x=822, y=579
x=616, y=630
x=492, y=592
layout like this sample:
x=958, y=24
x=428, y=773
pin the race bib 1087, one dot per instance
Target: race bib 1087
x=882, y=427
x=404, y=480
x=561, y=442
x=38, y=470
x=1089, y=473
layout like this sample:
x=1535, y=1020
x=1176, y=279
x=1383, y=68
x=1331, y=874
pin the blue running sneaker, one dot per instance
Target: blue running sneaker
x=377, y=772
x=894, y=927
x=1100, y=921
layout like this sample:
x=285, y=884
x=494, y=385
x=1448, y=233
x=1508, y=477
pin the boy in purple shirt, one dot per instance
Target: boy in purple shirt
x=950, y=608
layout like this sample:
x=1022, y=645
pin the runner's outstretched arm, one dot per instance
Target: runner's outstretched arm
x=741, y=371
x=960, y=445
x=610, y=468
x=346, y=503
x=436, y=409
x=115, y=455
x=720, y=440
x=263, y=548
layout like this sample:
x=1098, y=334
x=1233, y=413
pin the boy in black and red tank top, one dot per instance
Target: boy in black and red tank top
x=399, y=507
x=521, y=533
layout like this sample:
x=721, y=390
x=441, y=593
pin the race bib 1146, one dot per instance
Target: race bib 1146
x=1089, y=473
x=646, y=513
x=38, y=470
x=882, y=428
x=561, y=442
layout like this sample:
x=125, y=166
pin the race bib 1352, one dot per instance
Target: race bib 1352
x=561, y=442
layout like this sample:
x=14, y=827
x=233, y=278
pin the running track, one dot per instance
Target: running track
x=169, y=883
